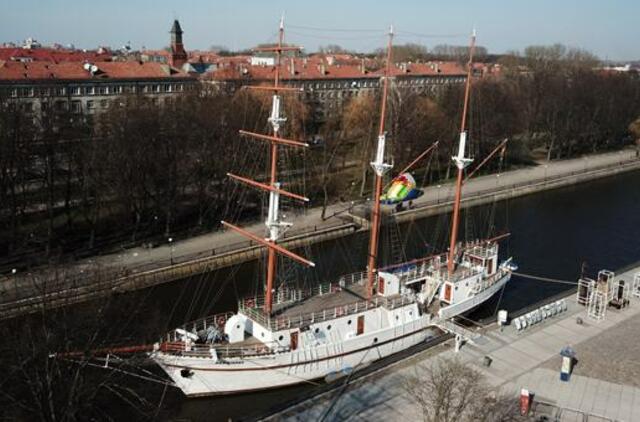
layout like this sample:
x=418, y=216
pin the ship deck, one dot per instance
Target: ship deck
x=328, y=301
x=323, y=307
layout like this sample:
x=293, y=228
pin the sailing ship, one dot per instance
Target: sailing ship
x=292, y=336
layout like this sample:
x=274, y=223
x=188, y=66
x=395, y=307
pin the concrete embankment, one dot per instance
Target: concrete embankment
x=60, y=287
x=138, y=268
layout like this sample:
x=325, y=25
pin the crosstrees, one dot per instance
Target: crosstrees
x=270, y=245
x=269, y=188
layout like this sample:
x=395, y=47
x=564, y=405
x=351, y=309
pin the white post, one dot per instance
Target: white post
x=458, y=344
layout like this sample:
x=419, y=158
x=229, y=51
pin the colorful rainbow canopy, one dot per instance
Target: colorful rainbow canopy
x=402, y=188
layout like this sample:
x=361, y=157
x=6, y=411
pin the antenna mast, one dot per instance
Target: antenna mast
x=380, y=168
x=461, y=161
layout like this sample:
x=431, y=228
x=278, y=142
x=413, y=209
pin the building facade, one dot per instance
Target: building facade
x=86, y=88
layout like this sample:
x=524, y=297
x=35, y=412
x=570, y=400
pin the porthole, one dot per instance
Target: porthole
x=328, y=327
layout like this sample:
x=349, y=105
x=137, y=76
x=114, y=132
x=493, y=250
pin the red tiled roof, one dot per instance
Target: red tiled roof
x=315, y=67
x=15, y=71
x=52, y=55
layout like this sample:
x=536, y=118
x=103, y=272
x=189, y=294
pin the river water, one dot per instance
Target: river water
x=553, y=234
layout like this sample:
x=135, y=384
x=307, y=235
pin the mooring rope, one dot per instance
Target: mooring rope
x=545, y=279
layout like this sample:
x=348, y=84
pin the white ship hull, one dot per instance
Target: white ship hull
x=333, y=359
x=473, y=302
x=341, y=351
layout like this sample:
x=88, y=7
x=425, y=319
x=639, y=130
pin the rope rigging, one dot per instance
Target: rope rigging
x=545, y=279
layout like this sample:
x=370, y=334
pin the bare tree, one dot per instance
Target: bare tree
x=450, y=391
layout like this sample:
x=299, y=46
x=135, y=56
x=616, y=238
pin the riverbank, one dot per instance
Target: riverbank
x=139, y=267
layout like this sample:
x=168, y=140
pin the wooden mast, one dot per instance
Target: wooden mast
x=273, y=222
x=380, y=168
x=271, y=252
x=461, y=161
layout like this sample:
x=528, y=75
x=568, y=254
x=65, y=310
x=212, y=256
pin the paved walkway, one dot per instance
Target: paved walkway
x=520, y=359
x=311, y=219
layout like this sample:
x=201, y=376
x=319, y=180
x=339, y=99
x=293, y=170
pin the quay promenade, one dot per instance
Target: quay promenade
x=604, y=385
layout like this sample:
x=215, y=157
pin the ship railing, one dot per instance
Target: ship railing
x=285, y=322
x=220, y=351
x=420, y=270
x=490, y=281
x=286, y=296
x=218, y=321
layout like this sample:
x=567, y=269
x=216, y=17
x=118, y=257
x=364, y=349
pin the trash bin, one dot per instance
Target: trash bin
x=568, y=357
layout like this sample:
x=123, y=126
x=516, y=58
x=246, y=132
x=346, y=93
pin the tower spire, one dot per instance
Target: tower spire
x=178, y=54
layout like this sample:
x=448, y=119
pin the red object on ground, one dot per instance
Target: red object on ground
x=525, y=402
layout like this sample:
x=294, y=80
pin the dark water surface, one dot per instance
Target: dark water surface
x=552, y=234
